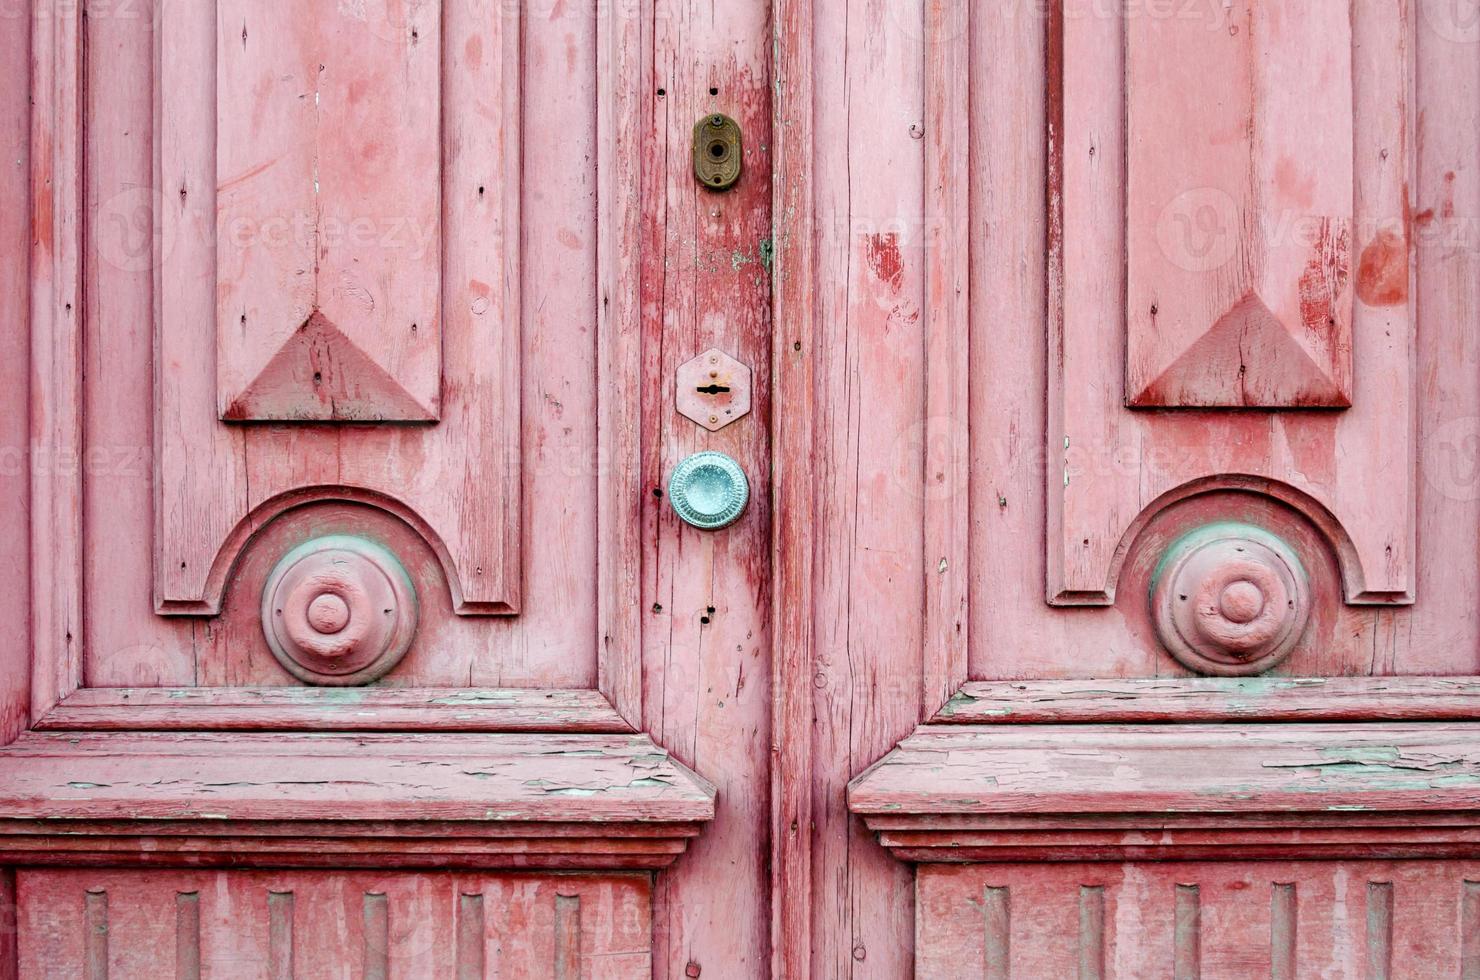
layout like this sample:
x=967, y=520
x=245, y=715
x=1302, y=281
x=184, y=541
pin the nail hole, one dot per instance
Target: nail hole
x=714, y=91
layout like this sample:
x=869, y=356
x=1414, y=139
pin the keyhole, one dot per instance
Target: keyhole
x=717, y=150
x=713, y=389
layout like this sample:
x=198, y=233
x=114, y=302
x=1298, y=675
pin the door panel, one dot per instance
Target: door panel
x=1276, y=919
x=148, y=925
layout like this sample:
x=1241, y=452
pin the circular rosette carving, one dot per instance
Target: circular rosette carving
x=339, y=610
x=1230, y=599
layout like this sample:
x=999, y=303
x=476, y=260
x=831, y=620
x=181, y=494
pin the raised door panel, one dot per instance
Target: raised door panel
x=354, y=263
x=408, y=183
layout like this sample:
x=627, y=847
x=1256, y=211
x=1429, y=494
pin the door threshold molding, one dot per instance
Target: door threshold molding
x=514, y=800
x=353, y=709
x=1213, y=699
x=982, y=793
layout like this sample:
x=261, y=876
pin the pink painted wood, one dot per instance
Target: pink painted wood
x=96, y=924
x=328, y=260
x=1239, y=247
x=962, y=404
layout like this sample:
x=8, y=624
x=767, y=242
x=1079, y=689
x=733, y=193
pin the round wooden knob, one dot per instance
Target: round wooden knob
x=339, y=610
x=1230, y=599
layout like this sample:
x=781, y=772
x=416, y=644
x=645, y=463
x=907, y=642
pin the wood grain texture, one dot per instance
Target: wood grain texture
x=964, y=793
x=328, y=210
x=1239, y=212
x=15, y=377
x=361, y=924
x=1199, y=919
x=327, y=709
x=56, y=310
x=223, y=186
x=572, y=801
x=1192, y=699
x=794, y=359
x=1109, y=469
x=869, y=101
x=706, y=596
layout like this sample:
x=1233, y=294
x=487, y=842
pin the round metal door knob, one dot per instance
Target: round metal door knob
x=708, y=490
x=339, y=610
x=1231, y=600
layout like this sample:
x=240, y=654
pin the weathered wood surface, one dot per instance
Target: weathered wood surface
x=1282, y=920
x=341, y=801
x=794, y=361
x=1198, y=699
x=1233, y=768
x=279, y=925
x=329, y=177
x=1239, y=209
x=332, y=709
x=1107, y=468
x=16, y=227
x=706, y=597
x=243, y=776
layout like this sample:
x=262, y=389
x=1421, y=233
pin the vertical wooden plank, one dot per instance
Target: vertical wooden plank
x=470, y=935
x=868, y=81
x=187, y=936
x=1379, y=930
x=567, y=963
x=706, y=604
x=95, y=935
x=280, y=935
x=15, y=376
x=793, y=359
x=619, y=116
x=1284, y=930
x=56, y=308
x=1446, y=233
x=949, y=145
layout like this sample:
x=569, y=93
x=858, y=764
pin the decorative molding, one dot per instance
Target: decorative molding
x=56, y=354
x=329, y=231
x=339, y=610
x=555, y=801
x=311, y=341
x=327, y=709
x=1210, y=699
x=1230, y=599
x=1240, y=211
x=951, y=172
x=1112, y=466
x=619, y=107
x=1094, y=792
x=240, y=537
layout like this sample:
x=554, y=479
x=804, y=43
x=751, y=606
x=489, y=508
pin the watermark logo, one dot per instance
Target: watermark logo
x=1199, y=230
x=1457, y=21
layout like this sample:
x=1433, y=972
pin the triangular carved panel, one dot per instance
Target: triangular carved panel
x=1248, y=358
x=320, y=375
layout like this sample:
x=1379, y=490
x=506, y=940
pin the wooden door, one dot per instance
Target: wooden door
x=1105, y=376
x=1145, y=387
x=352, y=631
